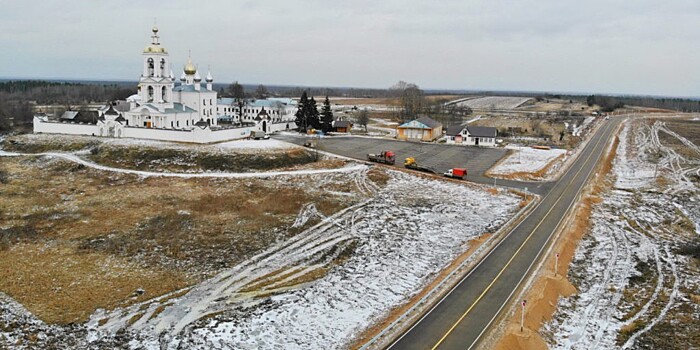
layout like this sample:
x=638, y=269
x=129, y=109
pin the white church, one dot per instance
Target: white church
x=188, y=112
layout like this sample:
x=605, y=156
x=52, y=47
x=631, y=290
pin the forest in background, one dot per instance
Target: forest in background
x=18, y=98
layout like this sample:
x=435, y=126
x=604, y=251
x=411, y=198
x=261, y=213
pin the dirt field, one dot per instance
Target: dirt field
x=74, y=239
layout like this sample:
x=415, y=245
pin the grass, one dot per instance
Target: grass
x=62, y=287
x=690, y=249
x=44, y=143
x=183, y=160
x=76, y=239
x=378, y=176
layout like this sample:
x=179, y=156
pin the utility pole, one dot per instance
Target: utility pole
x=556, y=265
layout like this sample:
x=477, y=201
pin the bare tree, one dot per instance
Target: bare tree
x=363, y=118
x=261, y=91
x=411, y=99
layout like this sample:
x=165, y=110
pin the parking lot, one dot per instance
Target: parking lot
x=439, y=157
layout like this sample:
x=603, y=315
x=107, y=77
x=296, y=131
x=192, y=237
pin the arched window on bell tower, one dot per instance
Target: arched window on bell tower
x=164, y=94
x=163, y=72
x=150, y=93
x=150, y=67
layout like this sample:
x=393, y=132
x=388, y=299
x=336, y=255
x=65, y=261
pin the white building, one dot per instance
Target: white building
x=471, y=135
x=160, y=110
x=272, y=114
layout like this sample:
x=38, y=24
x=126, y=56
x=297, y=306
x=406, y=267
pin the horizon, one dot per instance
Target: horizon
x=427, y=90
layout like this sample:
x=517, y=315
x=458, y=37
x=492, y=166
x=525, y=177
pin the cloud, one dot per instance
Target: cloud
x=586, y=46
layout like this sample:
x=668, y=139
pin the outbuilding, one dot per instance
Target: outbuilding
x=342, y=126
x=422, y=129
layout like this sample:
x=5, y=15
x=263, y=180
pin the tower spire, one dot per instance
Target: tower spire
x=154, y=37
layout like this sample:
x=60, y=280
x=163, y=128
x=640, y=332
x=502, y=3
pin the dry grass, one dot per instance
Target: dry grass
x=378, y=176
x=182, y=160
x=60, y=286
x=76, y=239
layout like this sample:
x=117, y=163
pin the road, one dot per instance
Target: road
x=466, y=312
x=439, y=157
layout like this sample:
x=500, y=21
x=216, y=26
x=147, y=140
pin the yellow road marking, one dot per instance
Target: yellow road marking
x=517, y=251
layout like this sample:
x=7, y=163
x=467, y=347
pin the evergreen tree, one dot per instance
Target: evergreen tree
x=312, y=115
x=327, y=115
x=301, y=118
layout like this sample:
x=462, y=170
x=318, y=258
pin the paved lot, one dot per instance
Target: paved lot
x=438, y=157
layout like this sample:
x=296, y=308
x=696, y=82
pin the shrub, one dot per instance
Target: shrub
x=691, y=249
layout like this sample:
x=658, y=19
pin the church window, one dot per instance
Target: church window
x=150, y=67
x=162, y=67
x=164, y=94
x=150, y=93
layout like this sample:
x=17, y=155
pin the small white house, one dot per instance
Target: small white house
x=471, y=135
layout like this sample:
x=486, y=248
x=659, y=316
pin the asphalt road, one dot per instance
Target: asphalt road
x=462, y=316
x=438, y=157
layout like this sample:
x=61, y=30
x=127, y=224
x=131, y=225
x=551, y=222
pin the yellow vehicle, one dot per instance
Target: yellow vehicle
x=411, y=163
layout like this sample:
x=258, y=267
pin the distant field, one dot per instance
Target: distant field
x=389, y=101
x=495, y=102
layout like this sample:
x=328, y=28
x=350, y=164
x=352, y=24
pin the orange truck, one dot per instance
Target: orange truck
x=456, y=173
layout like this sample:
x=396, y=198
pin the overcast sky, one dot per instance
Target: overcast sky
x=640, y=46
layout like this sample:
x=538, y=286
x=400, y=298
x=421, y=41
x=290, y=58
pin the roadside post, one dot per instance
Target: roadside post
x=556, y=265
x=522, y=316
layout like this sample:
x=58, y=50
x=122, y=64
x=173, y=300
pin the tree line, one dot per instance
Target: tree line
x=610, y=103
x=18, y=97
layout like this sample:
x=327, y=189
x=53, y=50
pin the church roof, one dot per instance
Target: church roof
x=201, y=123
x=189, y=88
x=177, y=108
x=111, y=111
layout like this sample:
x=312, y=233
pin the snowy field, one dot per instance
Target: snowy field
x=316, y=290
x=579, y=129
x=634, y=289
x=494, y=102
x=404, y=235
x=527, y=162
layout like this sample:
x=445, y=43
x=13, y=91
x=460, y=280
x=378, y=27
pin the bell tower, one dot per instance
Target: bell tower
x=156, y=82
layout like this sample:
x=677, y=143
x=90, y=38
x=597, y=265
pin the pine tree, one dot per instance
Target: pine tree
x=301, y=117
x=327, y=116
x=312, y=115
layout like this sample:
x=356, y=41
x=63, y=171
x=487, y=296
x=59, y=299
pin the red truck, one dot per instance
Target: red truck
x=386, y=157
x=456, y=173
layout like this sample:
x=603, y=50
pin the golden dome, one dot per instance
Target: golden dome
x=190, y=68
x=155, y=29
